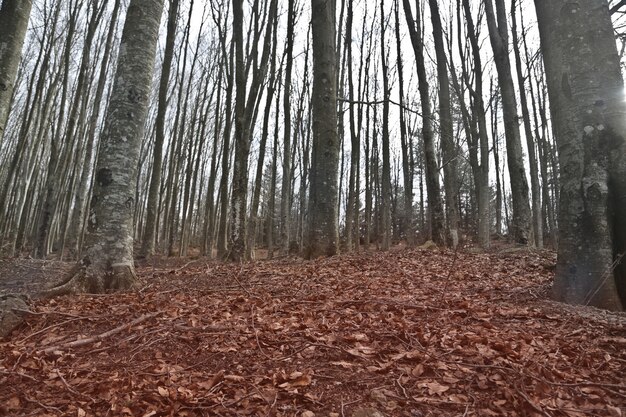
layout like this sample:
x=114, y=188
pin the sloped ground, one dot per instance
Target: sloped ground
x=409, y=333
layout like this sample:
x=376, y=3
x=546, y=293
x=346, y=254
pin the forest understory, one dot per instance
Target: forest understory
x=403, y=333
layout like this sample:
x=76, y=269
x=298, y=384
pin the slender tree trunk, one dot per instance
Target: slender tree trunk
x=448, y=146
x=271, y=90
x=355, y=146
x=285, y=191
x=495, y=104
x=223, y=190
x=271, y=209
x=483, y=190
x=537, y=223
x=498, y=35
x=147, y=246
x=435, y=205
x=407, y=170
x=385, y=222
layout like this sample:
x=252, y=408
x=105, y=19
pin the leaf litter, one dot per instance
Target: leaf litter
x=405, y=333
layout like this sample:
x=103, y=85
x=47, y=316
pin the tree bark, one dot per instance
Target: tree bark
x=408, y=221
x=323, y=233
x=108, y=261
x=537, y=223
x=147, y=246
x=586, y=94
x=385, y=221
x=483, y=190
x=435, y=205
x=448, y=147
x=14, y=16
x=498, y=35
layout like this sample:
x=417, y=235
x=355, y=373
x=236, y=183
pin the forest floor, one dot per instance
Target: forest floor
x=407, y=333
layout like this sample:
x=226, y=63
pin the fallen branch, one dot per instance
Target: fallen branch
x=101, y=336
x=532, y=404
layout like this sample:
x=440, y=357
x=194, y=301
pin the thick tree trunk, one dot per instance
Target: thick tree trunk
x=498, y=35
x=323, y=232
x=586, y=93
x=14, y=16
x=108, y=261
x=81, y=196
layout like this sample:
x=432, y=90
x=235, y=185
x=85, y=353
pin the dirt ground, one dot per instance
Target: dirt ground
x=406, y=333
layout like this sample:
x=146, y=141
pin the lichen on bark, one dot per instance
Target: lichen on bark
x=108, y=262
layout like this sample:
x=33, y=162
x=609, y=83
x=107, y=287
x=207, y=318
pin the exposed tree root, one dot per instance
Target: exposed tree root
x=85, y=279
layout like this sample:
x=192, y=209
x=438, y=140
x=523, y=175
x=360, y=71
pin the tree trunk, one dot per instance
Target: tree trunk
x=448, y=146
x=323, y=233
x=537, y=224
x=14, y=16
x=586, y=94
x=407, y=169
x=385, y=221
x=483, y=190
x=285, y=191
x=108, y=262
x=435, y=205
x=147, y=246
x=498, y=35
x=81, y=196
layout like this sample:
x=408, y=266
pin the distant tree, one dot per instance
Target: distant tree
x=147, y=246
x=108, y=261
x=435, y=205
x=14, y=16
x=498, y=34
x=448, y=147
x=323, y=232
x=385, y=215
x=586, y=92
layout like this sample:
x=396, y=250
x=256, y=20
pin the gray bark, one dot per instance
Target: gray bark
x=147, y=246
x=585, y=88
x=385, y=221
x=537, y=224
x=14, y=16
x=448, y=147
x=285, y=193
x=498, y=35
x=323, y=233
x=435, y=205
x=108, y=261
x=482, y=183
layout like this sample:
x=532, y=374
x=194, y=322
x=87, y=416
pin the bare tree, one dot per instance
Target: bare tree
x=498, y=35
x=147, y=247
x=435, y=205
x=448, y=146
